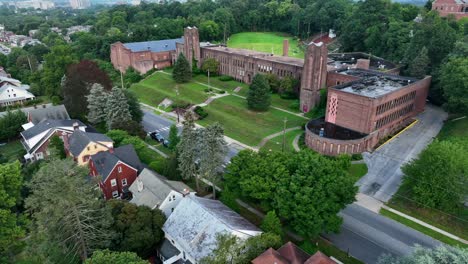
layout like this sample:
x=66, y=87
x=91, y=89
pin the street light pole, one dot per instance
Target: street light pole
x=284, y=133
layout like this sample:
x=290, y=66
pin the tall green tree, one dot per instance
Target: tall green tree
x=454, y=82
x=134, y=106
x=117, y=109
x=212, y=152
x=438, y=178
x=210, y=66
x=182, y=72
x=106, y=257
x=442, y=255
x=54, y=68
x=57, y=148
x=272, y=224
x=67, y=209
x=97, y=99
x=259, y=96
x=419, y=66
x=138, y=228
x=188, y=150
x=174, y=138
x=11, y=124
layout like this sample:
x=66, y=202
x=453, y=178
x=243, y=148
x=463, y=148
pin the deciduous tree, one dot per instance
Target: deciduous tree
x=57, y=148
x=188, y=150
x=259, y=96
x=419, y=66
x=454, y=82
x=442, y=255
x=106, y=257
x=174, y=138
x=210, y=66
x=11, y=124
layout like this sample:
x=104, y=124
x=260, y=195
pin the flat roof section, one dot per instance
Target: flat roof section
x=154, y=46
x=341, y=60
x=260, y=55
x=373, y=84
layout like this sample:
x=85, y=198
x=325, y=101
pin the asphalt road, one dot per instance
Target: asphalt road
x=152, y=122
x=367, y=235
x=384, y=175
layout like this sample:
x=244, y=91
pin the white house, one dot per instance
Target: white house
x=155, y=191
x=190, y=232
x=13, y=92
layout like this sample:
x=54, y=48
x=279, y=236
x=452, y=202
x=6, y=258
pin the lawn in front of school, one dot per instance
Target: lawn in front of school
x=248, y=127
x=266, y=42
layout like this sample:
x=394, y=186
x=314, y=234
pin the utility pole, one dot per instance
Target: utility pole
x=209, y=78
x=121, y=78
x=29, y=62
x=284, y=133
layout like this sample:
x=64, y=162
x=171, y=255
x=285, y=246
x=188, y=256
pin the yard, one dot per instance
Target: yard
x=266, y=42
x=154, y=89
x=247, y=126
x=12, y=151
x=276, y=143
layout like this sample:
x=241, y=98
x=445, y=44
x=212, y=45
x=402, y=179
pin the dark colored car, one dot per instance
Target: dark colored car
x=156, y=136
x=166, y=143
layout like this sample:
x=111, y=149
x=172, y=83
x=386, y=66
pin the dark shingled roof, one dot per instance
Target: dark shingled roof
x=105, y=161
x=49, y=112
x=154, y=46
x=79, y=140
x=167, y=250
x=46, y=124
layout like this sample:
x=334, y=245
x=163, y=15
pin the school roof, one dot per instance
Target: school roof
x=154, y=46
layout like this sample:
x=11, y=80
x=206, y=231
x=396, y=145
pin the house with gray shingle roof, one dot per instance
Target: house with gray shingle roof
x=81, y=145
x=155, y=191
x=190, y=231
x=117, y=170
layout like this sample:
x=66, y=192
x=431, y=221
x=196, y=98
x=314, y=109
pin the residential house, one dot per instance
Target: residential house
x=36, y=137
x=3, y=73
x=190, y=231
x=155, y=191
x=12, y=92
x=82, y=145
x=117, y=168
x=289, y=253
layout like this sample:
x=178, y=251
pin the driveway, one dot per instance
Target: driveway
x=384, y=175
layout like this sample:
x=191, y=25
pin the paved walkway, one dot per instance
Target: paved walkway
x=296, y=143
x=265, y=139
x=156, y=150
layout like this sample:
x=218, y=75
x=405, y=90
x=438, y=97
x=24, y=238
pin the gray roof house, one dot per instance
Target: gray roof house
x=105, y=161
x=36, y=114
x=80, y=139
x=192, y=228
x=155, y=191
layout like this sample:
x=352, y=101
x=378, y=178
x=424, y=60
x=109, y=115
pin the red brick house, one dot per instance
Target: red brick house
x=117, y=169
x=289, y=253
x=458, y=8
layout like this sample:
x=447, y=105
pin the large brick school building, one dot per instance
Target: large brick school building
x=367, y=99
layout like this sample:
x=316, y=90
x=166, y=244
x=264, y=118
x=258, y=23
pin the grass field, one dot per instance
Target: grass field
x=457, y=128
x=422, y=229
x=247, y=126
x=12, y=150
x=276, y=143
x=159, y=86
x=265, y=42
x=357, y=171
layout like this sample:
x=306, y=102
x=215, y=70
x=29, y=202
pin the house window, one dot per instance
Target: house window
x=172, y=209
x=87, y=148
x=119, y=169
x=14, y=95
x=124, y=182
x=39, y=155
x=115, y=194
x=95, y=146
x=113, y=182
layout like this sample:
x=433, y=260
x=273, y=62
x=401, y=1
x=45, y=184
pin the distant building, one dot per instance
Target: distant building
x=35, y=4
x=289, y=253
x=117, y=168
x=80, y=4
x=155, y=191
x=458, y=8
x=13, y=92
x=36, y=114
x=144, y=56
x=190, y=231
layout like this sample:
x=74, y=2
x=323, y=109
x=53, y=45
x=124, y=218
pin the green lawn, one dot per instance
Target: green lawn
x=228, y=86
x=159, y=86
x=247, y=126
x=457, y=128
x=328, y=249
x=265, y=42
x=422, y=229
x=276, y=143
x=357, y=170
x=12, y=150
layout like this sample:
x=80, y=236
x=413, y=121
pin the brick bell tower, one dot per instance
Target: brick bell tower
x=314, y=75
x=192, y=45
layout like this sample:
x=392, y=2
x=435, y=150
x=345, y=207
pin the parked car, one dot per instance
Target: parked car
x=156, y=136
x=166, y=143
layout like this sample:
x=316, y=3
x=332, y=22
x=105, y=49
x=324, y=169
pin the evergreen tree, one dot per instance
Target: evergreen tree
x=134, y=106
x=188, y=149
x=419, y=66
x=182, y=72
x=212, y=152
x=259, y=97
x=117, y=108
x=97, y=100
x=440, y=255
x=173, y=137
x=271, y=223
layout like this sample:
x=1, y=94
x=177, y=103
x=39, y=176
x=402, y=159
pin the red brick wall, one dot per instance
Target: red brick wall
x=142, y=61
x=335, y=78
x=44, y=147
x=127, y=173
x=447, y=7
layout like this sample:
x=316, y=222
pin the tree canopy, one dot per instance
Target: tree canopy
x=107, y=257
x=182, y=72
x=259, y=95
x=440, y=255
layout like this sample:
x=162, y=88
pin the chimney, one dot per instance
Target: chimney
x=285, y=47
x=363, y=64
x=76, y=126
x=185, y=192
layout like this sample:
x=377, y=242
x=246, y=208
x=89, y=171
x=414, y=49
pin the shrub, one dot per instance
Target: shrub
x=208, y=90
x=356, y=157
x=221, y=92
x=180, y=104
x=33, y=102
x=226, y=78
x=228, y=198
x=295, y=105
x=158, y=165
x=55, y=100
x=201, y=112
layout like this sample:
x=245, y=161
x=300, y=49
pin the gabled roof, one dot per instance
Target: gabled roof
x=151, y=189
x=196, y=221
x=270, y=256
x=293, y=253
x=80, y=139
x=55, y=112
x=319, y=258
x=46, y=124
x=105, y=161
x=154, y=46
